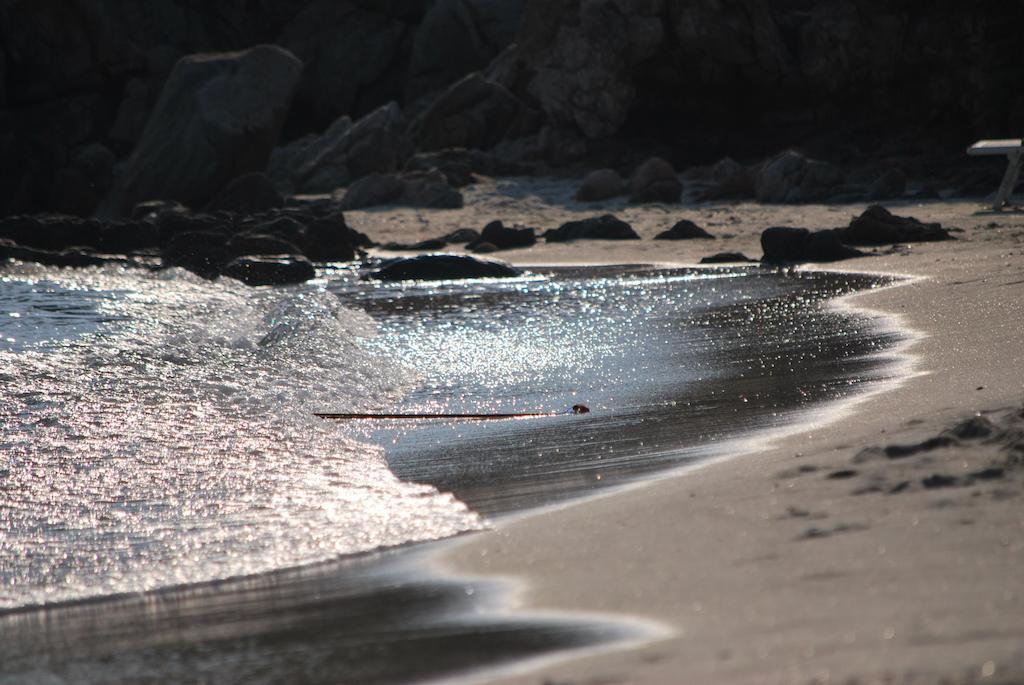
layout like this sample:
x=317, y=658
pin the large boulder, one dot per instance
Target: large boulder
x=218, y=117
x=473, y=113
x=655, y=181
x=600, y=184
x=606, y=227
x=357, y=54
x=443, y=267
x=457, y=37
x=372, y=190
x=329, y=239
x=270, y=270
x=792, y=177
x=785, y=244
x=581, y=59
x=375, y=143
x=878, y=226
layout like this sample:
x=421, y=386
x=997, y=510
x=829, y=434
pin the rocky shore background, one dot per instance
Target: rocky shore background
x=227, y=114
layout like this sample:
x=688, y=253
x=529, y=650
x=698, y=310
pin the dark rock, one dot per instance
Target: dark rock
x=655, y=181
x=247, y=194
x=457, y=37
x=173, y=223
x=878, y=226
x=462, y=235
x=218, y=117
x=454, y=164
x=429, y=189
x=137, y=101
x=600, y=184
x=606, y=227
x=357, y=53
x=684, y=230
x=79, y=187
x=72, y=257
x=201, y=252
x=410, y=189
x=286, y=160
x=443, y=268
x=422, y=246
x=729, y=180
x=270, y=270
x=580, y=61
x=376, y=143
x=153, y=208
x=485, y=248
x=329, y=239
x=890, y=185
x=286, y=228
x=503, y=238
x=50, y=232
x=73, y=194
x=473, y=113
x=245, y=244
x=792, y=177
x=939, y=480
x=726, y=258
x=373, y=190
x=128, y=237
x=785, y=244
x=974, y=428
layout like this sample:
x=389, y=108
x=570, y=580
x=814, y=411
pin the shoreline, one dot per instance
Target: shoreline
x=767, y=577
x=741, y=500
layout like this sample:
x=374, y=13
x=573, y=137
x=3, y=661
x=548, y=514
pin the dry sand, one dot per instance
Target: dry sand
x=770, y=567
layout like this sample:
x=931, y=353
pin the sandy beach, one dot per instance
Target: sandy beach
x=811, y=558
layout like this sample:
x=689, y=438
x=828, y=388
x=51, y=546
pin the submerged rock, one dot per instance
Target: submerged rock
x=684, y=230
x=270, y=270
x=606, y=227
x=443, y=267
x=201, y=252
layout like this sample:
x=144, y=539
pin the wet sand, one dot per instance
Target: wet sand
x=806, y=559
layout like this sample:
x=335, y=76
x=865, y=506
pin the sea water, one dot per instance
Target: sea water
x=158, y=434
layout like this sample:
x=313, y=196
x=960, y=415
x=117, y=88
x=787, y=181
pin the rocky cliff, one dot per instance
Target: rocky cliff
x=568, y=79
